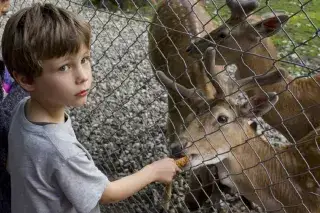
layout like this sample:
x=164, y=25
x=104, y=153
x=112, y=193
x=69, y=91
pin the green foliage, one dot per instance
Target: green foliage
x=301, y=34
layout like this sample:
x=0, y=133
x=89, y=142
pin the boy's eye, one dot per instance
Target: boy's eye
x=64, y=68
x=85, y=60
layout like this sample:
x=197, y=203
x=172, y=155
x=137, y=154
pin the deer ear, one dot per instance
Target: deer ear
x=261, y=104
x=270, y=26
x=317, y=77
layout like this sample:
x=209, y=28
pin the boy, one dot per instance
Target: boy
x=47, y=51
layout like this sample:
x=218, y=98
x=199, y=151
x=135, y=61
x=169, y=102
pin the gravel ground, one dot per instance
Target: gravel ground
x=123, y=124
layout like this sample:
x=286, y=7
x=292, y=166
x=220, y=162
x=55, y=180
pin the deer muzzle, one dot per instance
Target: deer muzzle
x=199, y=46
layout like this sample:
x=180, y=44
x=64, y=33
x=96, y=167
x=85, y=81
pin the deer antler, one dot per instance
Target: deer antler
x=212, y=72
x=251, y=82
x=171, y=84
x=239, y=8
x=191, y=94
x=225, y=88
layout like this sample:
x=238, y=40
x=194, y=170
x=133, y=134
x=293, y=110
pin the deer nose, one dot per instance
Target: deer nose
x=189, y=48
x=177, y=151
x=193, y=48
x=199, y=46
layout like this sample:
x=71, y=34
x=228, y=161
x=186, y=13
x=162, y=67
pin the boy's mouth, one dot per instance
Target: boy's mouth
x=82, y=93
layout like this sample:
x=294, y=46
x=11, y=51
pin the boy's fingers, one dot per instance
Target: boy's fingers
x=178, y=169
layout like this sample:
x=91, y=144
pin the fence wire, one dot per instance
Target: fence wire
x=131, y=119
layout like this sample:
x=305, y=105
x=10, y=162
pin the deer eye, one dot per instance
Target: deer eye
x=222, y=119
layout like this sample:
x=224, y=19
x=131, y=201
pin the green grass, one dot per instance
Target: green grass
x=301, y=27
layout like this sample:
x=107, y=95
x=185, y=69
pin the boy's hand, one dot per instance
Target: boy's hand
x=161, y=170
x=164, y=170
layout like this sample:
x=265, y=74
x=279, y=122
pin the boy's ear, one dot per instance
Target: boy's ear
x=24, y=81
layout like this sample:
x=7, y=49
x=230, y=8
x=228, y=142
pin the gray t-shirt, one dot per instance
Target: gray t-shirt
x=50, y=170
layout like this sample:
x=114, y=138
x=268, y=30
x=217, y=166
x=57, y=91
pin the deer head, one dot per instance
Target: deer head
x=216, y=125
x=237, y=34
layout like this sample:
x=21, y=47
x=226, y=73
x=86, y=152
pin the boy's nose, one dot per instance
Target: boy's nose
x=82, y=76
x=81, y=80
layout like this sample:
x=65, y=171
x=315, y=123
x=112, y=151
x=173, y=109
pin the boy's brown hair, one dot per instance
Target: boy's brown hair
x=40, y=32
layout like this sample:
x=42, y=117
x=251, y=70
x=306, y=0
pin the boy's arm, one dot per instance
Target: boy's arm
x=84, y=185
x=162, y=170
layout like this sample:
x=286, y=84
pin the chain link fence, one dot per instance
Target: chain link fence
x=128, y=124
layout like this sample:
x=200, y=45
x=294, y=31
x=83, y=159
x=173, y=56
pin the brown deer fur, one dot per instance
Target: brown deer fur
x=266, y=176
x=283, y=179
x=299, y=101
x=173, y=25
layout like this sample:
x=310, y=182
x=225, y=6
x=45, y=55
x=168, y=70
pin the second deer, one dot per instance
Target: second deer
x=244, y=41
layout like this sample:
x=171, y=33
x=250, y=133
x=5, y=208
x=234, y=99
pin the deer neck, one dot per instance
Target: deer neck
x=258, y=150
x=258, y=60
x=261, y=163
x=307, y=89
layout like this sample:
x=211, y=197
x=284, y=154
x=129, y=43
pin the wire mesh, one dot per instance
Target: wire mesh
x=131, y=119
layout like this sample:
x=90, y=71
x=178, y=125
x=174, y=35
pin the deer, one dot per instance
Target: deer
x=282, y=179
x=173, y=27
x=169, y=36
x=206, y=175
x=245, y=42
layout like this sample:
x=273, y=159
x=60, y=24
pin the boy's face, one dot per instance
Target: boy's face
x=65, y=81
